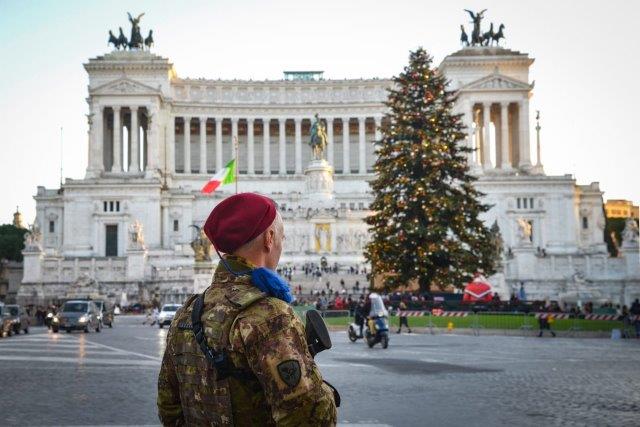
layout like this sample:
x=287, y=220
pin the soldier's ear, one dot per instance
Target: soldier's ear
x=268, y=239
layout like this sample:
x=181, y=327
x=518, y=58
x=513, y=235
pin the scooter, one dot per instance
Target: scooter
x=354, y=332
x=377, y=330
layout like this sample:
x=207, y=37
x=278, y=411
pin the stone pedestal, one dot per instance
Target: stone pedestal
x=319, y=183
x=32, y=266
x=202, y=275
x=136, y=260
x=525, y=262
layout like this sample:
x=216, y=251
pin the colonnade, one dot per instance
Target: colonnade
x=511, y=125
x=258, y=134
x=108, y=144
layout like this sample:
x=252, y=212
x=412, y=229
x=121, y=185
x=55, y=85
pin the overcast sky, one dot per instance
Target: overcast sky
x=586, y=66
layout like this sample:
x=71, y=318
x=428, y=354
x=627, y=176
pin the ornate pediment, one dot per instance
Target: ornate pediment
x=124, y=86
x=496, y=82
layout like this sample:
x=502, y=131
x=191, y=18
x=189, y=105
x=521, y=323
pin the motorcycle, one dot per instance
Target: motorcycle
x=377, y=330
x=376, y=325
x=354, y=332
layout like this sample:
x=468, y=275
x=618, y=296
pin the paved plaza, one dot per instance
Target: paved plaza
x=110, y=379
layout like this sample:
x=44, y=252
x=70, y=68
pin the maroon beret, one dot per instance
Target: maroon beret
x=239, y=219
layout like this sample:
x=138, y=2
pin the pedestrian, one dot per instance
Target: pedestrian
x=544, y=322
x=154, y=315
x=403, y=317
x=237, y=354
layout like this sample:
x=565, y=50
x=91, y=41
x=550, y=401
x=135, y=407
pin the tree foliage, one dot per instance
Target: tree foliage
x=426, y=224
x=11, y=242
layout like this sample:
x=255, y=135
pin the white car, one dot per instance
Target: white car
x=166, y=314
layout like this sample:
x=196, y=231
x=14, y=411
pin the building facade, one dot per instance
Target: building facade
x=154, y=140
x=617, y=208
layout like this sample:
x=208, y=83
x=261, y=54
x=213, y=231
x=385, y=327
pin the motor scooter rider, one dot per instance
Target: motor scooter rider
x=376, y=308
x=360, y=315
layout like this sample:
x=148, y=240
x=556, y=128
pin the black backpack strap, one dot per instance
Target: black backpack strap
x=218, y=360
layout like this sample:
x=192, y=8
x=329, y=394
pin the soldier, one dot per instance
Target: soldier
x=242, y=358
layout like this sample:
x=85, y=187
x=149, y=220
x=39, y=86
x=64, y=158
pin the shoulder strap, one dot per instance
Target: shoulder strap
x=218, y=360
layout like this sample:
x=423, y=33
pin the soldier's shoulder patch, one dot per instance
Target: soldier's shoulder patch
x=289, y=372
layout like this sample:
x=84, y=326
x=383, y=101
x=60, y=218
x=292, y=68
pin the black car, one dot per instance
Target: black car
x=77, y=315
x=19, y=318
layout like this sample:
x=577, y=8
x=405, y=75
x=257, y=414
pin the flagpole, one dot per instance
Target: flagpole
x=236, y=148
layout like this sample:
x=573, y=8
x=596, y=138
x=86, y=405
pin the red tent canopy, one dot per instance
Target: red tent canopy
x=478, y=290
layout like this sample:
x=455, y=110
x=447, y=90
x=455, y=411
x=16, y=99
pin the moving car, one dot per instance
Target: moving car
x=19, y=318
x=167, y=313
x=105, y=315
x=76, y=315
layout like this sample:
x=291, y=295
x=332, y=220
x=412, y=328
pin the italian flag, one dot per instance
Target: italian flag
x=227, y=175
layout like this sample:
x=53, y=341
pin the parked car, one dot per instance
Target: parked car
x=167, y=313
x=6, y=323
x=105, y=314
x=76, y=315
x=19, y=318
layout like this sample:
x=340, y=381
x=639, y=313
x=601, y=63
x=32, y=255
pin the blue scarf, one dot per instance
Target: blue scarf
x=271, y=283
x=266, y=280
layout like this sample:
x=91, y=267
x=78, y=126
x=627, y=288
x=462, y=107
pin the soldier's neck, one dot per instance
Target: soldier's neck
x=255, y=259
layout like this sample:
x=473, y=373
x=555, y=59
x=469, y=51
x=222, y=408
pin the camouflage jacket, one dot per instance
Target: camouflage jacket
x=261, y=335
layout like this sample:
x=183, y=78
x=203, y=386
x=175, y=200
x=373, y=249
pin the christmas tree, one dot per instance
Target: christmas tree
x=426, y=224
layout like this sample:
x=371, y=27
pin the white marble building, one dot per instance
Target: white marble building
x=146, y=165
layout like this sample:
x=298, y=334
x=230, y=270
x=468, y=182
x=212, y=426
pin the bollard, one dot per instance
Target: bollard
x=526, y=323
x=430, y=324
x=575, y=326
x=476, y=324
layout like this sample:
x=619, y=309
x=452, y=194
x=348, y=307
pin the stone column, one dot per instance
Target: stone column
x=477, y=138
x=203, y=145
x=298, y=145
x=346, y=168
x=282, y=164
x=468, y=121
x=171, y=144
x=152, y=135
x=362, y=148
x=523, y=122
x=330, y=146
x=504, y=136
x=219, y=143
x=134, y=161
x=378, y=132
x=266, y=149
x=187, y=145
x=486, y=140
x=116, y=166
x=96, y=146
x=250, y=154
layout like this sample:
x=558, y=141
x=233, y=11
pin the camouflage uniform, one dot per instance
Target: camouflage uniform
x=261, y=335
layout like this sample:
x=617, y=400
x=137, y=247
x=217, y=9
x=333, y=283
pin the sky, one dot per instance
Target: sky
x=586, y=66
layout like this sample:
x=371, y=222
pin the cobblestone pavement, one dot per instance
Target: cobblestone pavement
x=110, y=379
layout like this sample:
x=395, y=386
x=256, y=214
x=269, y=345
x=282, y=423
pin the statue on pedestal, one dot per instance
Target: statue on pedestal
x=318, y=140
x=136, y=40
x=498, y=244
x=201, y=246
x=630, y=234
x=136, y=238
x=33, y=239
x=476, y=35
x=525, y=231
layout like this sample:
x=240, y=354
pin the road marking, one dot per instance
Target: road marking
x=80, y=361
x=119, y=350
